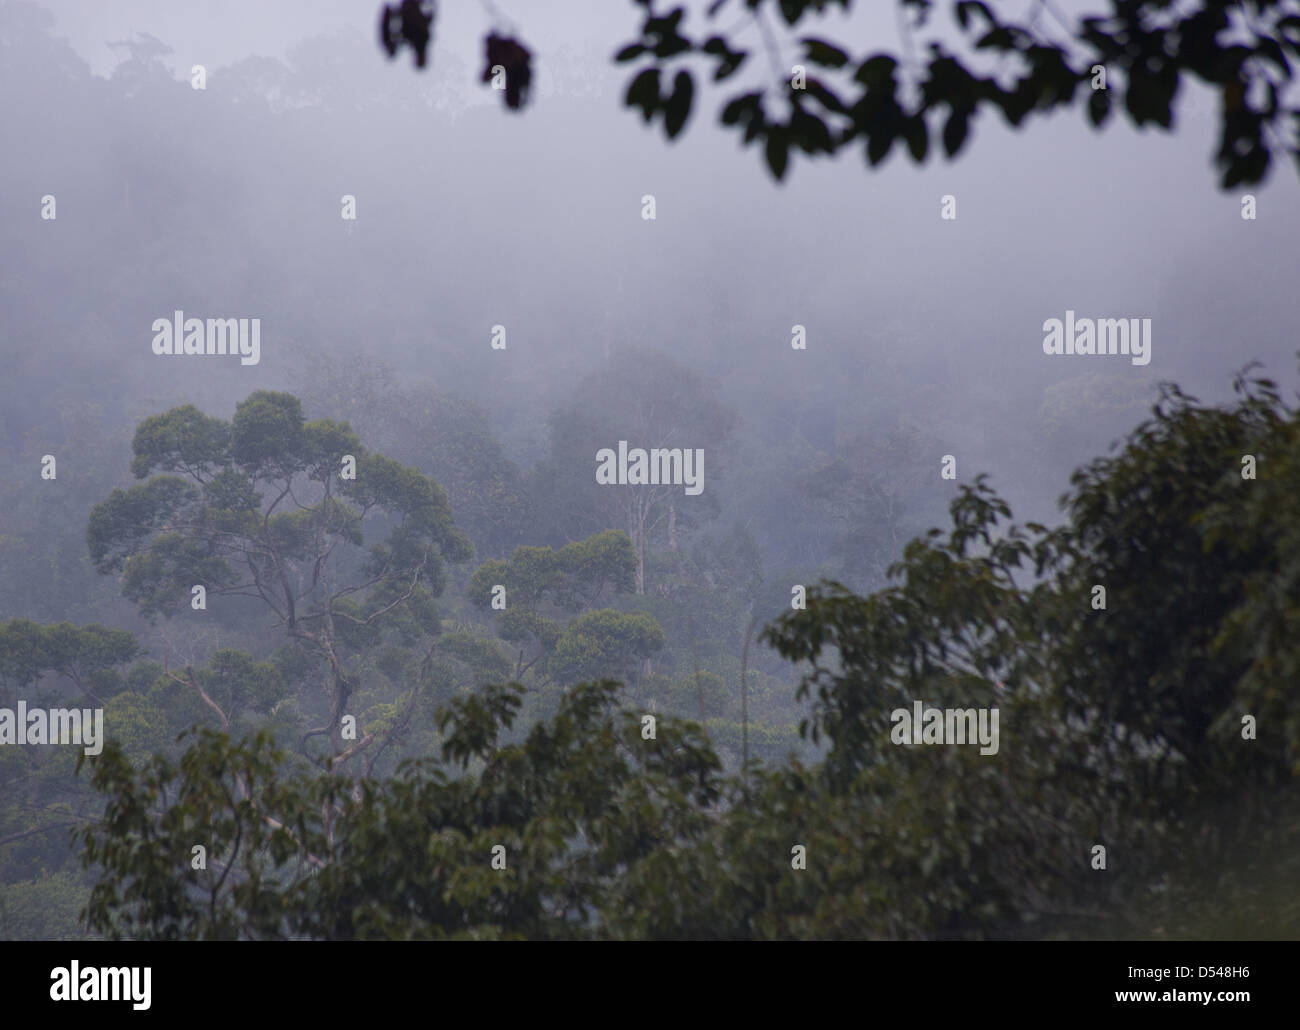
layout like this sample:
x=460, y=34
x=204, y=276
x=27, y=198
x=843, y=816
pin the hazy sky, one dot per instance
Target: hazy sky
x=472, y=216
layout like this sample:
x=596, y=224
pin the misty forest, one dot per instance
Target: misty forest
x=617, y=471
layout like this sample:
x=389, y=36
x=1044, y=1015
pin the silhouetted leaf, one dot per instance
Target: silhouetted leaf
x=679, y=104
x=954, y=132
x=823, y=53
x=777, y=152
x=644, y=92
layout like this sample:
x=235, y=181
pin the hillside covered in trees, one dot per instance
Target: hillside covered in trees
x=601, y=540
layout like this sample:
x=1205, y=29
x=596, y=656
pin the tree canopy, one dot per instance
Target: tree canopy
x=272, y=507
x=1159, y=725
x=1135, y=57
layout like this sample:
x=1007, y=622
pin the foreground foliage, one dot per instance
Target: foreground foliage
x=1122, y=727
